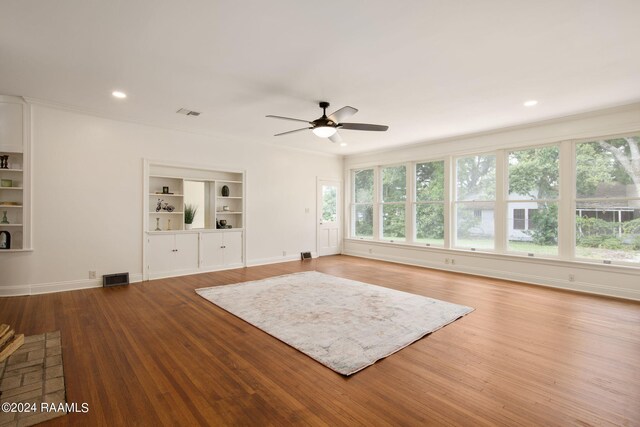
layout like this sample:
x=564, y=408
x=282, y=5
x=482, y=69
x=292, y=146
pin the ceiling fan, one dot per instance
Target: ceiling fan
x=327, y=126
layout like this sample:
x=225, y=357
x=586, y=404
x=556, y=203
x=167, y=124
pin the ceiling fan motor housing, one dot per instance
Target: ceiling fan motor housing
x=324, y=120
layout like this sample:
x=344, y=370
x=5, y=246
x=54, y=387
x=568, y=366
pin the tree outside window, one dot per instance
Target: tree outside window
x=362, y=203
x=393, y=205
x=475, y=201
x=608, y=199
x=532, y=208
x=429, y=203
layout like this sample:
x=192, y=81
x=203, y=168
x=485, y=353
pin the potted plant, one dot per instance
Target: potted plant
x=189, y=214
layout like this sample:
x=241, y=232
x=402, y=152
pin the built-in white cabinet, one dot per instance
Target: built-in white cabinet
x=15, y=186
x=215, y=239
x=189, y=252
x=221, y=250
x=172, y=254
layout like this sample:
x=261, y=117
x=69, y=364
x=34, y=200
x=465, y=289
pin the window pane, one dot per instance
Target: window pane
x=608, y=231
x=608, y=168
x=476, y=178
x=474, y=223
x=430, y=223
x=394, y=184
x=518, y=219
x=533, y=228
x=393, y=222
x=363, y=186
x=363, y=221
x=429, y=181
x=533, y=174
x=329, y=203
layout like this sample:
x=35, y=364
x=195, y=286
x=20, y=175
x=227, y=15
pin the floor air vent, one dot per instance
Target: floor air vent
x=115, y=279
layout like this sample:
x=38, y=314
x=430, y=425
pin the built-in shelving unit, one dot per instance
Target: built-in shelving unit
x=15, y=195
x=221, y=212
x=215, y=240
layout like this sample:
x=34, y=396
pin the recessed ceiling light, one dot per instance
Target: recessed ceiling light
x=530, y=103
x=118, y=94
x=343, y=144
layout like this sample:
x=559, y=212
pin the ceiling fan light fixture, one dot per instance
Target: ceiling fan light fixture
x=324, y=131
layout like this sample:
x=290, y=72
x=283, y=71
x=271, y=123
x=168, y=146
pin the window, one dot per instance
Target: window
x=518, y=219
x=329, y=203
x=362, y=203
x=408, y=202
x=429, y=203
x=475, y=201
x=608, y=199
x=532, y=207
x=393, y=203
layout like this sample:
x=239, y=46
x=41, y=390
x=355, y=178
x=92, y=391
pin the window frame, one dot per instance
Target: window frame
x=353, y=204
x=415, y=203
x=381, y=203
x=573, y=243
x=455, y=203
x=565, y=200
x=557, y=201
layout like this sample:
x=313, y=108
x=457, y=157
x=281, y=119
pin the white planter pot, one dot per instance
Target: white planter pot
x=188, y=226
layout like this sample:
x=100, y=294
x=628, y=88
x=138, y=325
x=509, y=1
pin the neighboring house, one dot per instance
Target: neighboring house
x=613, y=206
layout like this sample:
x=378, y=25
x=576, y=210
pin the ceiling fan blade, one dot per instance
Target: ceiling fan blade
x=335, y=138
x=363, y=126
x=342, y=114
x=291, y=131
x=288, y=118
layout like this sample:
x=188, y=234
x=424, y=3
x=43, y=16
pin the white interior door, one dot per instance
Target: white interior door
x=329, y=218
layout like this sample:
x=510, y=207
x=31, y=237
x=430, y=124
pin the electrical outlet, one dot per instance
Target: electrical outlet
x=446, y=260
x=284, y=253
x=453, y=261
x=306, y=210
x=370, y=250
x=572, y=278
x=92, y=274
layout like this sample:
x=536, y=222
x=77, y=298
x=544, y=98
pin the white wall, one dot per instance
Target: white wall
x=608, y=280
x=88, y=197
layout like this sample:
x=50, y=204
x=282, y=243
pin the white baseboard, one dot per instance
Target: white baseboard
x=15, y=291
x=47, y=288
x=599, y=289
x=276, y=260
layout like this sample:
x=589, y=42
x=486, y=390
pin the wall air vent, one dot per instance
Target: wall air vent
x=188, y=112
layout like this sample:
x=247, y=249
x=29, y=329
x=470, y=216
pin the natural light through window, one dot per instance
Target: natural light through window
x=475, y=201
x=429, y=203
x=532, y=208
x=608, y=199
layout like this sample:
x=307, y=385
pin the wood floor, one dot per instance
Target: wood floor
x=155, y=353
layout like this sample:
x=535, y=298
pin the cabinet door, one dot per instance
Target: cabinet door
x=186, y=254
x=161, y=254
x=233, y=248
x=212, y=250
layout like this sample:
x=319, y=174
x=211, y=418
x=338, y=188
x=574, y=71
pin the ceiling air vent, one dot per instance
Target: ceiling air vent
x=188, y=112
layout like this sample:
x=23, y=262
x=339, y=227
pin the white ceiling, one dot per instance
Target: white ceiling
x=428, y=69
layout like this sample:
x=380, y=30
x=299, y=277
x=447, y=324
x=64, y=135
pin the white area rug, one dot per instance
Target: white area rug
x=343, y=324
